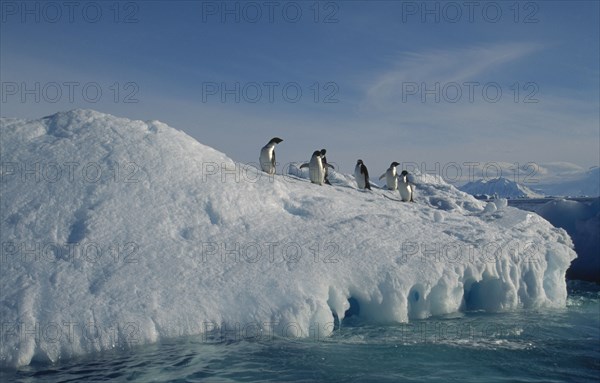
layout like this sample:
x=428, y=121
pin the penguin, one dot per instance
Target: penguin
x=391, y=176
x=361, y=174
x=325, y=166
x=405, y=188
x=316, y=170
x=267, y=156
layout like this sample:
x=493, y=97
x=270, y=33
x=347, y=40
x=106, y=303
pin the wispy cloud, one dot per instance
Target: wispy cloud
x=528, y=122
x=444, y=66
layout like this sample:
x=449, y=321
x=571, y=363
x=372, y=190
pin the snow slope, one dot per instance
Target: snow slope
x=118, y=232
x=502, y=187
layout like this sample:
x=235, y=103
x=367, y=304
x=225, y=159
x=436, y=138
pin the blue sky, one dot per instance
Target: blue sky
x=379, y=80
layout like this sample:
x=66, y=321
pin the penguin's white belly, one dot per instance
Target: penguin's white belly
x=266, y=162
x=316, y=171
x=360, y=178
x=405, y=190
x=391, y=181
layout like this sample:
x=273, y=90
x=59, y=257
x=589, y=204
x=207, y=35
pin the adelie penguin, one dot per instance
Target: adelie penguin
x=391, y=176
x=316, y=170
x=325, y=166
x=405, y=188
x=267, y=156
x=361, y=174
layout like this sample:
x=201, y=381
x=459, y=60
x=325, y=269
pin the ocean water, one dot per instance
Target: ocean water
x=560, y=345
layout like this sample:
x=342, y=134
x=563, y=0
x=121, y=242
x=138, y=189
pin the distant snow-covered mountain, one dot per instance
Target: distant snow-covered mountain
x=586, y=183
x=500, y=187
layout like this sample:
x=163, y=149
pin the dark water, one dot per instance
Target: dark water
x=527, y=346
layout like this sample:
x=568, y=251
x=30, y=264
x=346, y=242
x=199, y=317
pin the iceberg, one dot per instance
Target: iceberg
x=118, y=232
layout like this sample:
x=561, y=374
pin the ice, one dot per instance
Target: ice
x=490, y=207
x=501, y=203
x=118, y=232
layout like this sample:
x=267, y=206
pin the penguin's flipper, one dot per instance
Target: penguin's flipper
x=330, y=166
x=304, y=165
x=382, y=176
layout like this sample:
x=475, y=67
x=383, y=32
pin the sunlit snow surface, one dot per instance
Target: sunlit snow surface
x=118, y=232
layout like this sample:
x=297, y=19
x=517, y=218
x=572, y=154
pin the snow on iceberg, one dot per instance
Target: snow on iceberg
x=119, y=232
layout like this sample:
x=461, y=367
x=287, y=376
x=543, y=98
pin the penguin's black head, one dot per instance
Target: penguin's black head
x=394, y=164
x=317, y=153
x=404, y=173
x=275, y=140
x=323, y=151
x=359, y=162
